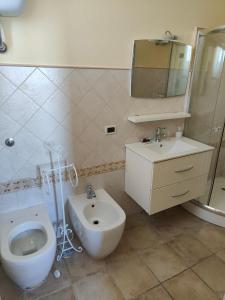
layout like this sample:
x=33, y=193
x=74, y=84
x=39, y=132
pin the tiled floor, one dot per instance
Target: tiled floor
x=171, y=255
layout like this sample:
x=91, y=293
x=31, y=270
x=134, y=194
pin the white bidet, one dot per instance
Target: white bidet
x=98, y=222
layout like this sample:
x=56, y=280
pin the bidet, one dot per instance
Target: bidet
x=98, y=222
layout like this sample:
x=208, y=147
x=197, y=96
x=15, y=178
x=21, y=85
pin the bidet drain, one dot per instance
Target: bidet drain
x=95, y=222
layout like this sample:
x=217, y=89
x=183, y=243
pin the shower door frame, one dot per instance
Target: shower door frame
x=203, y=32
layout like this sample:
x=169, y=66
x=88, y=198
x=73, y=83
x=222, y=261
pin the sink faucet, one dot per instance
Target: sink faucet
x=90, y=191
x=159, y=134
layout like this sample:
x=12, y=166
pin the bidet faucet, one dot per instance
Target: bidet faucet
x=159, y=134
x=90, y=191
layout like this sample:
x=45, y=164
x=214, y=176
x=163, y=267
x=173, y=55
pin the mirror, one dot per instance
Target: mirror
x=160, y=68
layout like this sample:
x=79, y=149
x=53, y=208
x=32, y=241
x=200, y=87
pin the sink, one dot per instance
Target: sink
x=168, y=148
x=173, y=146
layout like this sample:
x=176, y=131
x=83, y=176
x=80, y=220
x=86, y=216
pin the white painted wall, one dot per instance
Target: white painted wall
x=99, y=33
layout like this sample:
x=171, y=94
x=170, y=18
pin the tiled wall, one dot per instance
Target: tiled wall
x=71, y=107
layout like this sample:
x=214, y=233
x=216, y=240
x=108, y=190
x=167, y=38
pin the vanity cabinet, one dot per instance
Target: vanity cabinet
x=158, y=185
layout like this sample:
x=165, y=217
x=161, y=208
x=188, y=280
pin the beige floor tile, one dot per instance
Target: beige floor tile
x=212, y=236
x=157, y=293
x=175, y=221
x=66, y=294
x=187, y=286
x=96, y=287
x=8, y=289
x=51, y=284
x=131, y=275
x=134, y=220
x=123, y=247
x=221, y=254
x=81, y=265
x=189, y=249
x=212, y=271
x=142, y=237
x=163, y=261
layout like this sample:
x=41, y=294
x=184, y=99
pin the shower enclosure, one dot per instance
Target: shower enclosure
x=207, y=107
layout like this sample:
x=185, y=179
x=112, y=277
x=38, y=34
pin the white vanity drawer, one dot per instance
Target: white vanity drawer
x=178, y=193
x=179, y=169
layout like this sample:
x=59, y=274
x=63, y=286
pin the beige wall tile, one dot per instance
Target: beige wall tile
x=56, y=75
x=19, y=107
x=74, y=107
x=38, y=87
x=7, y=89
x=16, y=74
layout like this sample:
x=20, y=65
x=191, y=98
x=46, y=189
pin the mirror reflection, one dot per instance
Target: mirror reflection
x=160, y=68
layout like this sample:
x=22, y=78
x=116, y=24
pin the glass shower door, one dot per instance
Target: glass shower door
x=217, y=199
x=207, y=105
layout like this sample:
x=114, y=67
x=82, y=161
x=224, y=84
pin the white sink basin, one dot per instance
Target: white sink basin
x=173, y=146
x=168, y=148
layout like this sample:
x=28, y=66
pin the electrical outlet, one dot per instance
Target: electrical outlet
x=110, y=129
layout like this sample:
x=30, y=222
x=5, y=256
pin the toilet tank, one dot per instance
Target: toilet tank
x=11, y=8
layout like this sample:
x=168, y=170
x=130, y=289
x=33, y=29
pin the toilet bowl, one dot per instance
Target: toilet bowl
x=27, y=245
x=98, y=222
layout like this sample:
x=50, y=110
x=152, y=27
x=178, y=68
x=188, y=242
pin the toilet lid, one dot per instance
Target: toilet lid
x=28, y=242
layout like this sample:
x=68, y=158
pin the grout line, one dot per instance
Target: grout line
x=17, y=87
x=51, y=94
x=190, y=269
x=8, y=97
x=178, y=274
x=56, y=85
x=56, y=291
x=22, y=81
x=215, y=292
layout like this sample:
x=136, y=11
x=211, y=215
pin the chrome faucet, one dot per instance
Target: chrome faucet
x=159, y=134
x=90, y=191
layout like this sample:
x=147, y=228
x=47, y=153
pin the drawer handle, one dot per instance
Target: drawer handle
x=184, y=170
x=182, y=194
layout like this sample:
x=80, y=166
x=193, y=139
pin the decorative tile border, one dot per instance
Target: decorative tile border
x=28, y=183
x=17, y=185
x=100, y=169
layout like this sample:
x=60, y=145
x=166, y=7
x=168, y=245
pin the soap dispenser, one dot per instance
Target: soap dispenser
x=179, y=132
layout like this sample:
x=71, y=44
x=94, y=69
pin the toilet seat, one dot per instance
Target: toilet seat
x=28, y=242
x=8, y=236
x=27, y=245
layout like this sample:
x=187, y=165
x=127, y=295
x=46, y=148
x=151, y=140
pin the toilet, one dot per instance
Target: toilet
x=99, y=222
x=27, y=245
